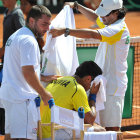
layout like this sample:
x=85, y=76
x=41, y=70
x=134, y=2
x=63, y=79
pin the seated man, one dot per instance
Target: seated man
x=70, y=92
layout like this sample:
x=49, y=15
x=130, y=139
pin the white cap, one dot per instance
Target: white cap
x=106, y=6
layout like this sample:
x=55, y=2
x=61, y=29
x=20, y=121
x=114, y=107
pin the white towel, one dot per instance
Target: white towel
x=100, y=55
x=101, y=95
x=60, y=57
x=109, y=135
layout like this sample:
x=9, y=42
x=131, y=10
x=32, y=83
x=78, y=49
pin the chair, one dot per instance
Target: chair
x=70, y=119
x=65, y=119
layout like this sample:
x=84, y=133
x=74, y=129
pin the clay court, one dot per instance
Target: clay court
x=132, y=21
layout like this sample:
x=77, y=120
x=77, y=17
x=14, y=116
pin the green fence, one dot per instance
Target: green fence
x=88, y=53
x=1, y=4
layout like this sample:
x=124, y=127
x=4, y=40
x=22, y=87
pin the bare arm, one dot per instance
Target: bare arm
x=80, y=33
x=89, y=13
x=32, y=79
x=90, y=116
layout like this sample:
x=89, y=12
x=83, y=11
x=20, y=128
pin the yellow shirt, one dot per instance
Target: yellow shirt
x=67, y=93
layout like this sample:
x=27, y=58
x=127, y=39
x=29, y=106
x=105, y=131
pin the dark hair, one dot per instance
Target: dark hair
x=32, y=2
x=121, y=12
x=37, y=11
x=88, y=68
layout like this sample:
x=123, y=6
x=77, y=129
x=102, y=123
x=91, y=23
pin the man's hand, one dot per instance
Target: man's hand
x=98, y=128
x=49, y=78
x=94, y=89
x=33, y=80
x=46, y=97
x=57, y=32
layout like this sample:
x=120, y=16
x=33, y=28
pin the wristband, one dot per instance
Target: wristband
x=37, y=101
x=81, y=112
x=51, y=102
x=92, y=97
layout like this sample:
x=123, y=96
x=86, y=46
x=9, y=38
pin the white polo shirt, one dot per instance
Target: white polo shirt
x=21, y=50
x=112, y=55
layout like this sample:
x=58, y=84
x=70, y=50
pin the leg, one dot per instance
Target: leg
x=21, y=119
x=111, y=116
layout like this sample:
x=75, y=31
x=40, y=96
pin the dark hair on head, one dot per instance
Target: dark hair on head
x=37, y=11
x=32, y=2
x=121, y=12
x=88, y=68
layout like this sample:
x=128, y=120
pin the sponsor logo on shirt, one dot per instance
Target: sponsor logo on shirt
x=127, y=40
x=62, y=82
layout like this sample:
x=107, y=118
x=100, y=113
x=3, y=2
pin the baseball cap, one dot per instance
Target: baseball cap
x=106, y=6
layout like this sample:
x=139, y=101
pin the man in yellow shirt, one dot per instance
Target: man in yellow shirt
x=70, y=93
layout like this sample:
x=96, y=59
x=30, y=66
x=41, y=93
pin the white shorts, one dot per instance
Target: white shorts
x=21, y=119
x=111, y=116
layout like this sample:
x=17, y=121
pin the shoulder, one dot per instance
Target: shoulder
x=100, y=23
x=115, y=27
x=113, y=32
x=26, y=36
x=79, y=91
x=17, y=12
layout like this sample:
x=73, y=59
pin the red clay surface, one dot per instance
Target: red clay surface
x=132, y=21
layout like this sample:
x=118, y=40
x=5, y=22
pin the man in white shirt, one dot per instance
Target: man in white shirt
x=20, y=84
x=111, y=55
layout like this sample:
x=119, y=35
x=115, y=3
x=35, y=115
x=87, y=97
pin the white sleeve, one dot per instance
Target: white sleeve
x=109, y=31
x=29, y=52
x=112, y=33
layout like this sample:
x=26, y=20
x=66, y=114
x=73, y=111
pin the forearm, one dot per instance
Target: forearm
x=33, y=80
x=80, y=33
x=89, y=117
x=92, y=98
x=89, y=13
x=49, y=78
x=85, y=33
x=93, y=108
